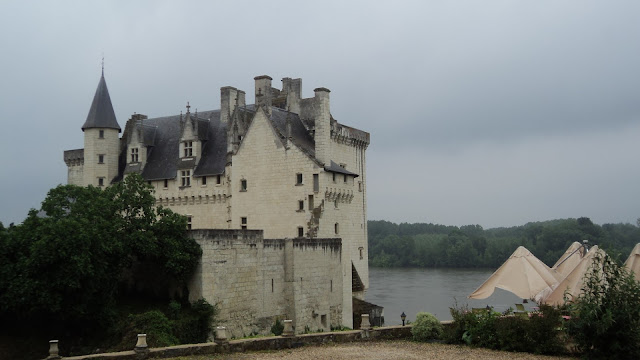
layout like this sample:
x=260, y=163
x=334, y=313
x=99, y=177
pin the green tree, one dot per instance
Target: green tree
x=63, y=265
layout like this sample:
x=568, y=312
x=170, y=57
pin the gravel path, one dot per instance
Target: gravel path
x=378, y=351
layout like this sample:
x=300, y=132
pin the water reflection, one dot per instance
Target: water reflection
x=431, y=290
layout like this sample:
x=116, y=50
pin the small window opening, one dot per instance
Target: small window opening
x=331, y=284
x=166, y=183
x=134, y=155
x=300, y=204
x=298, y=179
x=316, y=183
x=336, y=228
x=101, y=159
x=218, y=179
x=188, y=148
x=101, y=134
x=204, y=180
x=359, y=185
x=345, y=178
x=188, y=222
x=323, y=320
x=271, y=285
x=100, y=181
x=310, y=202
x=243, y=185
x=186, y=177
x=300, y=231
x=334, y=177
x=361, y=252
x=243, y=223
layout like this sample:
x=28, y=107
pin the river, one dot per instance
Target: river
x=411, y=290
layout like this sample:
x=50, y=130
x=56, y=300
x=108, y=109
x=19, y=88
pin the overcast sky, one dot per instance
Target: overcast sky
x=494, y=113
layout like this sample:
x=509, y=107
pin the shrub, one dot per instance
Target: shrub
x=153, y=323
x=426, y=327
x=194, y=323
x=605, y=318
x=277, y=328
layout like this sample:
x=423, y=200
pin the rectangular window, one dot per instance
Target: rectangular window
x=101, y=134
x=316, y=182
x=243, y=223
x=336, y=228
x=186, y=177
x=134, y=155
x=100, y=181
x=218, y=179
x=243, y=185
x=359, y=185
x=300, y=231
x=188, y=148
x=101, y=159
x=334, y=177
x=204, y=180
x=298, y=179
x=310, y=202
x=301, y=205
x=361, y=252
x=166, y=183
x=188, y=222
x=345, y=178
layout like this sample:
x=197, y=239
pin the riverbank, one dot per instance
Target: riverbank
x=376, y=350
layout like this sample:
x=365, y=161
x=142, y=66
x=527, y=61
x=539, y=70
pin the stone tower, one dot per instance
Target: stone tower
x=101, y=140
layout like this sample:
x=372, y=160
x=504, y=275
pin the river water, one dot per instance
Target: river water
x=411, y=290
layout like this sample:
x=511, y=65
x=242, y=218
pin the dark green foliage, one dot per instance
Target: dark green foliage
x=153, y=323
x=431, y=245
x=61, y=269
x=277, y=328
x=426, y=327
x=538, y=334
x=605, y=319
x=194, y=324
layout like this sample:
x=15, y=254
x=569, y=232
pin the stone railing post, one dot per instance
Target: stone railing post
x=365, y=324
x=53, y=350
x=221, y=335
x=141, y=345
x=288, y=328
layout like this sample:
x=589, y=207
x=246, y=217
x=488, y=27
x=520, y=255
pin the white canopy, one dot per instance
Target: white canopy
x=522, y=274
x=633, y=261
x=569, y=260
x=572, y=283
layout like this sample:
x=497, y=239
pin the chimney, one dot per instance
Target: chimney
x=228, y=96
x=322, y=117
x=293, y=89
x=263, y=92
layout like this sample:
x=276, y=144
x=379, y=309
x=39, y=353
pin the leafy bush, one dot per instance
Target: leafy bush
x=605, y=318
x=153, y=323
x=426, y=327
x=277, y=328
x=195, y=322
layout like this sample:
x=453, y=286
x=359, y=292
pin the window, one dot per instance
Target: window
x=166, y=183
x=186, y=177
x=188, y=222
x=310, y=202
x=316, y=182
x=101, y=134
x=101, y=159
x=334, y=177
x=243, y=223
x=359, y=185
x=345, y=178
x=243, y=185
x=300, y=205
x=298, y=179
x=218, y=179
x=336, y=228
x=335, y=204
x=300, y=231
x=361, y=252
x=101, y=181
x=134, y=155
x=204, y=180
x=188, y=148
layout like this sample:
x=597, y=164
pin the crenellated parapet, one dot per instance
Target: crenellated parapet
x=349, y=136
x=340, y=195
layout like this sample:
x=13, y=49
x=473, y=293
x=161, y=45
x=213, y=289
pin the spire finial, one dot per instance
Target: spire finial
x=188, y=106
x=102, y=64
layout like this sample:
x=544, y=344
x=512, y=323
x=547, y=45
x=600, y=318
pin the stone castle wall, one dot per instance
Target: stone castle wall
x=254, y=280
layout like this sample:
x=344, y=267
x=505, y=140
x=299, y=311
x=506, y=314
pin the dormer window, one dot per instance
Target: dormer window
x=134, y=155
x=185, y=176
x=188, y=148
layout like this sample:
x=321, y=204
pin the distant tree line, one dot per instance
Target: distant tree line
x=433, y=245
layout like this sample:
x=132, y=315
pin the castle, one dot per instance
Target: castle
x=274, y=193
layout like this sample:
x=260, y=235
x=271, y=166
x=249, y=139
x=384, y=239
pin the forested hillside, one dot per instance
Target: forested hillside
x=431, y=245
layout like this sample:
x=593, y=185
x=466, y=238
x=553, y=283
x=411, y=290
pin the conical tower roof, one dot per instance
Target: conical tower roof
x=101, y=114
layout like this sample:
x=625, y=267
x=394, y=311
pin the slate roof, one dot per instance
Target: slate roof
x=333, y=167
x=101, y=114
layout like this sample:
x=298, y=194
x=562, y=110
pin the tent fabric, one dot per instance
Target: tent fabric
x=572, y=284
x=633, y=262
x=522, y=274
x=569, y=260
